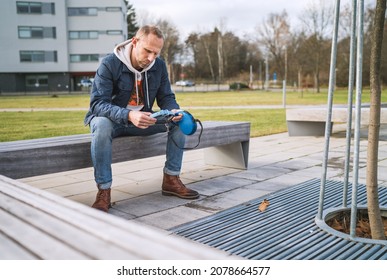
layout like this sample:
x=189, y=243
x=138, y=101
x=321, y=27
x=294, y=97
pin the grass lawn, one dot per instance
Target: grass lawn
x=187, y=99
x=35, y=124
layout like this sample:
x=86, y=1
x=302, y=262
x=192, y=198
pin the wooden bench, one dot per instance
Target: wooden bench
x=227, y=143
x=310, y=121
x=36, y=224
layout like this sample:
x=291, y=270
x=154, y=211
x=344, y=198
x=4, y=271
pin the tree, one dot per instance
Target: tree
x=343, y=54
x=274, y=35
x=172, y=48
x=192, y=43
x=297, y=58
x=317, y=20
x=206, y=40
x=220, y=55
x=131, y=20
x=374, y=214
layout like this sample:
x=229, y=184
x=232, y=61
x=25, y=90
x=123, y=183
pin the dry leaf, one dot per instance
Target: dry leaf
x=262, y=207
x=336, y=225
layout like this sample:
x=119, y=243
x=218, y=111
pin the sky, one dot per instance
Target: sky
x=239, y=16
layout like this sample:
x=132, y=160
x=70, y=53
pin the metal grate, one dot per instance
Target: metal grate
x=286, y=230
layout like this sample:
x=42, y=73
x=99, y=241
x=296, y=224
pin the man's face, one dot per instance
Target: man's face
x=145, y=50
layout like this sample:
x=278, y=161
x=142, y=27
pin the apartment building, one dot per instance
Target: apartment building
x=56, y=45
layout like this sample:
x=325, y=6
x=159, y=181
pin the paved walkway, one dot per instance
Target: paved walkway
x=275, y=162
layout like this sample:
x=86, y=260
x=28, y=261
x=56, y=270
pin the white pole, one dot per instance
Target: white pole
x=267, y=74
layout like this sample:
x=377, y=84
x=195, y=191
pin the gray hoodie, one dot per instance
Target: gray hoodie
x=123, y=51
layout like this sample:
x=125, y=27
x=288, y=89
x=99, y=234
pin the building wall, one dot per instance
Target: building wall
x=67, y=59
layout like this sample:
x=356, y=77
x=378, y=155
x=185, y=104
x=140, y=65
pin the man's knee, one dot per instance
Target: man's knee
x=101, y=127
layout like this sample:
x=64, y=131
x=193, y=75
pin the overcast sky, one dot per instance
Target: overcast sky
x=238, y=16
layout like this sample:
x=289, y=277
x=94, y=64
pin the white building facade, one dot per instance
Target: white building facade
x=52, y=46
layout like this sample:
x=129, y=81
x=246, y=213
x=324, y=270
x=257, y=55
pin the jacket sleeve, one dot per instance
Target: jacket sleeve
x=102, y=94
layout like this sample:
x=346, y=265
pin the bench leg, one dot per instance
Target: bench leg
x=233, y=155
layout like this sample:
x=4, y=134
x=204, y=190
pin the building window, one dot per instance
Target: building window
x=113, y=9
x=84, y=57
x=35, y=8
x=38, y=56
x=36, y=32
x=114, y=32
x=82, y=11
x=83, y=34
x=37, y=80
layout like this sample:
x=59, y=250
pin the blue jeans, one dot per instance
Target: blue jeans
x=104, y=130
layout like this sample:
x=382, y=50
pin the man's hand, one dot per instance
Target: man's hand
x=178, y=117
x=141, y=119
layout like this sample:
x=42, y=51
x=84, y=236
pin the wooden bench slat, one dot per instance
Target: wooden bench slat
x=34, y=240
x=10, y=250
x=70, y=223
x=69, y=235
x=41, y=234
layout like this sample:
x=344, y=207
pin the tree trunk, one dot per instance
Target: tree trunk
x=206, y=47
x=317, y=74
x=220, y=57
x=374, y=214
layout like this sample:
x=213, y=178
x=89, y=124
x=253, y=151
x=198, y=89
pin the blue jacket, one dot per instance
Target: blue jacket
x=113, y=84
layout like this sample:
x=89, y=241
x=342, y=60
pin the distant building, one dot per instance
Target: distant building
x=56, y=45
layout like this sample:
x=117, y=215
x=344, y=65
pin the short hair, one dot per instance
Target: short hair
x=149, y=29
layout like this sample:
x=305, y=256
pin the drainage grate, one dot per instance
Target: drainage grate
x=286, y=230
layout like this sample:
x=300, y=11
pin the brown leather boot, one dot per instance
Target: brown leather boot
x=173, y=186
x=102, y=201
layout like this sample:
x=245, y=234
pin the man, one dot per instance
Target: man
x=125, y=87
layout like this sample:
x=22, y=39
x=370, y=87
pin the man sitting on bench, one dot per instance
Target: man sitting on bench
x=125, y=87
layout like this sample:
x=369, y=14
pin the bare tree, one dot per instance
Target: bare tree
x=317, y=23
x=376, y=223
x=274, y=35
x=206, y=44
x=192, y=45
x=172, y=48
x=220, y=56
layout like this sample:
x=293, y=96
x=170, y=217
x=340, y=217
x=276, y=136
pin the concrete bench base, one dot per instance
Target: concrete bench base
x=305, y=128
x=310, y=121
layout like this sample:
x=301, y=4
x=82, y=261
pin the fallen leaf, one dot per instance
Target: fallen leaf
x=262, y=207
x=336, y=225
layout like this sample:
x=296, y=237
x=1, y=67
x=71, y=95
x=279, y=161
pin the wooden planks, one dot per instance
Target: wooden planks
x=39, y=225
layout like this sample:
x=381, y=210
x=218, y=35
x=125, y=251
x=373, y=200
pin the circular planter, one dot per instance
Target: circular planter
x=334, y=212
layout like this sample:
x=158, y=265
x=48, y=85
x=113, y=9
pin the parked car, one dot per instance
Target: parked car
x=185, y=83
x=86, y=83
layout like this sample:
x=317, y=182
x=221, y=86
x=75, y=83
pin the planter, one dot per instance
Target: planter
x=337, y=213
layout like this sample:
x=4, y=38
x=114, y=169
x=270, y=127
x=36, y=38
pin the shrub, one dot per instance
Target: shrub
x=238, y=86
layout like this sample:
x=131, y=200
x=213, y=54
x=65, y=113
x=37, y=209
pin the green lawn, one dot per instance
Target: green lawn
x=228, y=98
x=36, y=124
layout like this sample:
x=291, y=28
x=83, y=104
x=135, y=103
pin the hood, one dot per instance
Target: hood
x=123, y=50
